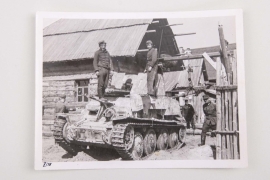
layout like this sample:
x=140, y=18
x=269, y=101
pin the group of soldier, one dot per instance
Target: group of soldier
x=103, y=67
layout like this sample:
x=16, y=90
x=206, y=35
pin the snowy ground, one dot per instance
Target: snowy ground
x=190, y=151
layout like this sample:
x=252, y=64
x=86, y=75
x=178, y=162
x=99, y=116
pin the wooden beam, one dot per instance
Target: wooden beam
x=154, y=22
x=142, y=50
x=171, y=25
x=188, y=57
x=183, y=34
x=150, y=31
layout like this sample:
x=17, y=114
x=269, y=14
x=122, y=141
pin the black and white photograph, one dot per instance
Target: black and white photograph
x=140, y=90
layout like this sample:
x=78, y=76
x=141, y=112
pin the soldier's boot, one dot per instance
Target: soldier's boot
x=202, y=140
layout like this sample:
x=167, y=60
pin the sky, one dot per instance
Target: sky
x=206, y=30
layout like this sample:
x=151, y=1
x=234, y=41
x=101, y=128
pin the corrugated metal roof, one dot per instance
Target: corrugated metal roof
x=123, y=41
x=64, y=26
x=178, y=79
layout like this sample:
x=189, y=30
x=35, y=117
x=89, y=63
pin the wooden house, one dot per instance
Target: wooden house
x=68, y=50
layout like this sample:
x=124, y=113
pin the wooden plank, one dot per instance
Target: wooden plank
x=189, y=57
x=227, y=87
x=218, y=108
x=230, y=121
x=47, y=133
x=223, y=137
x=150, y=31
x=227, y=125
x=69, y=77
x=48, y=117
x=142, y=50
x=48, y=122
x=154, y=22
x=234, y=104
x=171, y=25
x=182, y=34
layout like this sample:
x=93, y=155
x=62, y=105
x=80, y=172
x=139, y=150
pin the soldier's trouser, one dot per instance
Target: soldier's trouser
x=205, y=129
x=190, y=121
x=103, y=79
x=152, y=78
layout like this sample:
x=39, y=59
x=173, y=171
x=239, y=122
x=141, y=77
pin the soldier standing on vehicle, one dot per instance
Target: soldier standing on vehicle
x=60, y=105
x=151, y=68
x=210, y=122
x=188, y=113
x=102, y=65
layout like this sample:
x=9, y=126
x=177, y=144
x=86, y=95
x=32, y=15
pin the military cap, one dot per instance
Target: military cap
x=205, y=97
x=63, y=96
x=101, y=42
x=149, y=42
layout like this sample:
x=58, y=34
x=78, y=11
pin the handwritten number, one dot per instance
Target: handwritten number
x=46, y=164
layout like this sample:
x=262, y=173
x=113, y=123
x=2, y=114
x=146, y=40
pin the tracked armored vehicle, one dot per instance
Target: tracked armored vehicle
x=134, y=125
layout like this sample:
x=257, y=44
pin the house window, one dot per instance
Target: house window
x=82, y=90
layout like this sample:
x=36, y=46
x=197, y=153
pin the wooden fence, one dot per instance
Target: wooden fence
x=227, y=139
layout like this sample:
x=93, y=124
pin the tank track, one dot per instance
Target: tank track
x=118, y=143
x=59, y=124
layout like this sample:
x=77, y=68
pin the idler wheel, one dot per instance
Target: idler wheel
x=163, y=139
x=137, y=148
x=150, y=142
x=173, y=138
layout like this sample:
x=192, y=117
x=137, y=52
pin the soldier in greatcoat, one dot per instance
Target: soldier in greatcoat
x=188, y=113
x=210, y=122
x=103, y=66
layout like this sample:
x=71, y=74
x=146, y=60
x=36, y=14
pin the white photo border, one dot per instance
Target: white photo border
x=241, y=163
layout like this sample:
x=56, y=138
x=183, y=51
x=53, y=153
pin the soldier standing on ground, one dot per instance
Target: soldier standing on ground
x=151, y=68
x=102, y=65
x=188, y=113
x=210, y=122
x=60, y=105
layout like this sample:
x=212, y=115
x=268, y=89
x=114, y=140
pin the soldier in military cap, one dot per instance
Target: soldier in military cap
x=151, y=68
x=60, y=105
x=103, y=66
x=210, y=122
x=188, y=113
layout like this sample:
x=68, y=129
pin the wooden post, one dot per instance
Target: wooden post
x=234, y=104
x=218, y=108
x=230, y=121
x=224, y=53
x=227, y=124
x=223, y=137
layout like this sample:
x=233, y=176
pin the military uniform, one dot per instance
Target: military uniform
x=60, y=106
x=152, y=75
x=210, y=121
x=103, y=64
x=188, y=113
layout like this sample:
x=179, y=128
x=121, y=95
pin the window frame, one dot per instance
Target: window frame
x=78, y=86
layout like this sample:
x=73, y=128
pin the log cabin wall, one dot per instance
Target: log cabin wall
x=53, y=89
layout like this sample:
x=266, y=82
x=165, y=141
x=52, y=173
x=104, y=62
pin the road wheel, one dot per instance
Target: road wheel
x=163, y=140
x=137, y=148
x=150, y=142
x=173, y=138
